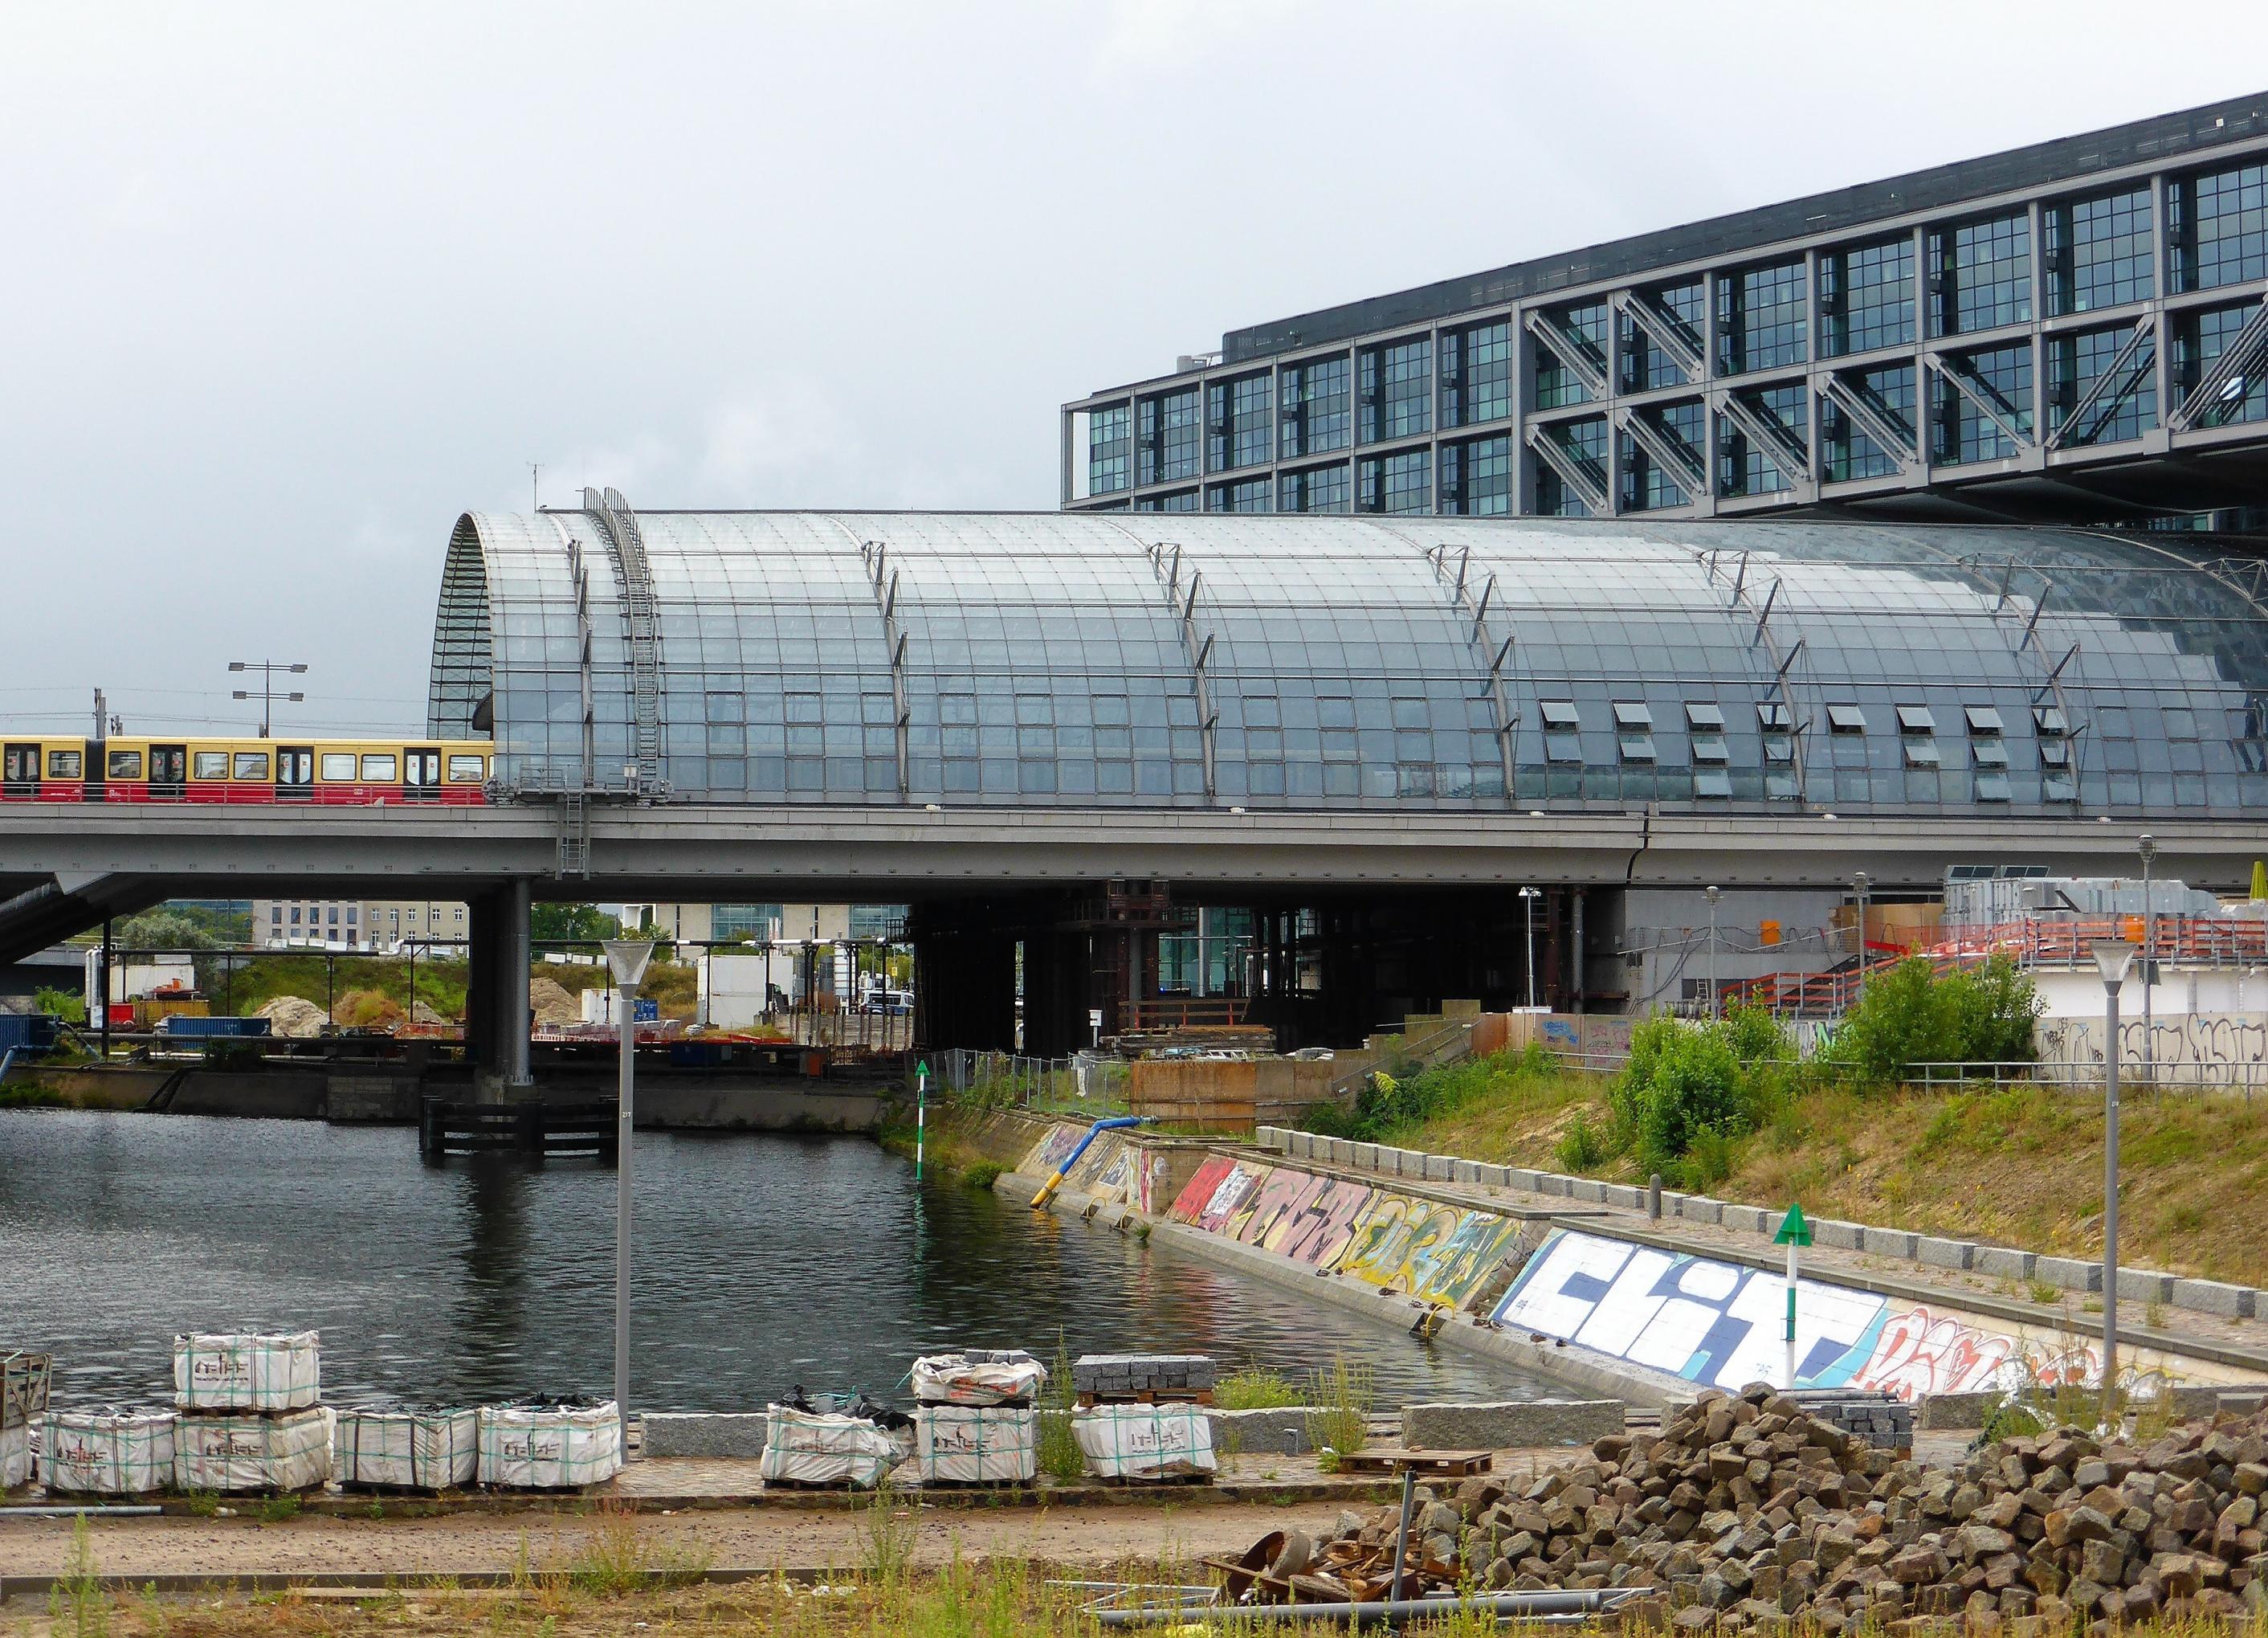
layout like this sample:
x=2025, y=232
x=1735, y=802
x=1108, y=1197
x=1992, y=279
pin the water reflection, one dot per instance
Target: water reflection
x=760, y=1261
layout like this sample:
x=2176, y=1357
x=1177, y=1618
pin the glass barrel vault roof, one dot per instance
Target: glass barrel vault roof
x=1078, y=660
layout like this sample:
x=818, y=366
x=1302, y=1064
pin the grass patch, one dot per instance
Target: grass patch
x=983, y=1175
x=1060, y=1458
x=31, y=1094
x=1257, y=1388
x=1338, y=1424
x=620, y=1558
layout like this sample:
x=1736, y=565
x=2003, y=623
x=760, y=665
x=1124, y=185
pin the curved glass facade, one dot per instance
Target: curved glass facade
x=1081, y=660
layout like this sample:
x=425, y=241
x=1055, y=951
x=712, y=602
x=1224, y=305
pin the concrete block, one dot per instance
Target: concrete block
x=1271, y=1138
x=1365, y=1156
x=2003, y=1262
x=1699, y=1208
x=2069, y=1273
x=2140, y=1285
x=1493, y=1176
x=1835, y=1234
x=1438, y=1168
x=1624, y=1195
x=1338, y=1151
x=1586, y=1189
x=1522, y=1178
x=1752, y=1219
x=1464, y=1171
x=2211, y=1297
x=1888, y=1242
x=1937, y=1252
x=1282, y=1432
x=676, y=1433
x=1515, y=1424
x=1941, y=1411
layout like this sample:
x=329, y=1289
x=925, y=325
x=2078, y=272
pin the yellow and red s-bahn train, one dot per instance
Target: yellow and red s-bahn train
x=453, y=772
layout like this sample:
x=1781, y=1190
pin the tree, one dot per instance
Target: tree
x=164, y=929
x=561, y=922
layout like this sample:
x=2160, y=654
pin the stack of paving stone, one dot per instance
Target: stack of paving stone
x=1747, y=1512
x=1882, y=1419
x=1142, y=1379
x=251, y=1411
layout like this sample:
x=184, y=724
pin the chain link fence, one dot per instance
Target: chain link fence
x=1083, y=1084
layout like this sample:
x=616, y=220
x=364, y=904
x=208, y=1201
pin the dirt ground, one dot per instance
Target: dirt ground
x=766, y=1538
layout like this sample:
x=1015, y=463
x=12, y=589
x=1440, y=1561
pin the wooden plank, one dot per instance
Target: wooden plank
x=1457, y=1463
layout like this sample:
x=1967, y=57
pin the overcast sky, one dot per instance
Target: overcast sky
x=285, y=289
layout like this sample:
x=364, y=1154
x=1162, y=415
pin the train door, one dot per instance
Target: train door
x=19, y=771
x=295, y=773
x=169, y=773
x=421, y=774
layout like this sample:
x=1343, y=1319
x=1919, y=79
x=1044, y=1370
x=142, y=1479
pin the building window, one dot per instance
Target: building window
x=2125, y=408
x=1476, y=373
x=1167, y=445
x=1962, y=431
x=2219, y=226
x=1760, y=319
x=2097, y=252
x=1845, y=719
x=1585, y=330
x=1397, y=390
x=2200, y=338
x=1634, y=730
x=1682, y=309
x=1745, y=467
x=1316, y=416
x=1865, y=298
x=1846, y=452
x=1649, y=484
x=1239, y=433
x=1314, y=488
x=1110, y=432
x=1394, y=484
x=1245, y=495
x=1179, y=500
x=1476, y=478
x=1584, y=443
x=1980, y=274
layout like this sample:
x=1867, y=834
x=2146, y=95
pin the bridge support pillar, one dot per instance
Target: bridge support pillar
x=497, y=1021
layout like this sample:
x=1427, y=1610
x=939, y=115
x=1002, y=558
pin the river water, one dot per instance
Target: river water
x=762, y=1261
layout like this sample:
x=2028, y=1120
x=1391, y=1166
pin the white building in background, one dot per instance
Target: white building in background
x=355, y=925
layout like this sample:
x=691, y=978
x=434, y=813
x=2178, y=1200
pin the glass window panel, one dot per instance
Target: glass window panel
x=1239, y=429
x=1586, y=330
x=2050, y=720
x=1168, y=437
x=466, y=769
x=1981, y=275
x=338, y=766
x=1476, y=373
x=1865, y=297
x=1560, y=713
x=1317, y=489
x=2097, y=252
x=2219, y=226
x=1982, y=718
x=1921, y=752
x=250, y=766
x=1710, y=747
x=379, y=767
x=1316, y=414
x=1632, y=714
x=1701, y=714
x=1394, y=396
x=1988, y=753
x=1992, y=787
x=1916, y=720
x=1760, y=318
x=208, y=766
x=1109, y=456
x=1846, y=719
x=1711, y=782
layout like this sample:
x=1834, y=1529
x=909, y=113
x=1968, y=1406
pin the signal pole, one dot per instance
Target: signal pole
x=267, y=696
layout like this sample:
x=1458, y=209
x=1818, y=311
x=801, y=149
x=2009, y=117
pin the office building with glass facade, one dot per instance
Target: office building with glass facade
x=1069, y=659
x=2071, y=332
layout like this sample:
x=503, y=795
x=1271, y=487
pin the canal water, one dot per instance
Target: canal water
x=762, y=1261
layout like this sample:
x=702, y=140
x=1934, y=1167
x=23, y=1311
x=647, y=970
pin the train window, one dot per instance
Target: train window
x=209, y=764
x=379, y=767
x=65, y=764
x=123, y=765
x=23, y=764
x=464, y=770
x=251, y=765
x=339, y=765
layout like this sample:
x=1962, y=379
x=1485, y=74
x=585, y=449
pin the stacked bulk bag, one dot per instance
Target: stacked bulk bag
x=824, y=1447
x=549, y=1444
x=251, y=1416
x=107, y=1452
x=974, y=1423
x=1168, y=1441
x=423, y=1449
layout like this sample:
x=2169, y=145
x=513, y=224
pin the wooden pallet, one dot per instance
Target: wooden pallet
x=1450, y=1464
x=1148, y=1395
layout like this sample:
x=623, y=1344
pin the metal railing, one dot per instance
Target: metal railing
x=2085, y=1074
x=1082, y=1084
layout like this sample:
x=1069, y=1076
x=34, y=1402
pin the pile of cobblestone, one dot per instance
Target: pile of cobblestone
x=1748, y=1513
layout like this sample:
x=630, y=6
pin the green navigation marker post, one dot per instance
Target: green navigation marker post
x=921, y=1113
x=1794, y=1232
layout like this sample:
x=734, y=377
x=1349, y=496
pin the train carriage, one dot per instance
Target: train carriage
x=452, y=772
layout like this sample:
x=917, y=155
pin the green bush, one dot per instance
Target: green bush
x=1691, y=1090
x=1910, y=1016
x=1582, y=1147
x=60, y=1004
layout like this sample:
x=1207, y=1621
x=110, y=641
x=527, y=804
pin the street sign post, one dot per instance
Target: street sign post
x=1794, y=1232
x=921, y=1113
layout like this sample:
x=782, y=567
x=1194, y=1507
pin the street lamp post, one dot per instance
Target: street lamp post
x=1862, y=883
x=2147, y=845
x=267, y=696
x=626, y=959
x=2112, y=957
x=1712, y=894
x=1528, y=897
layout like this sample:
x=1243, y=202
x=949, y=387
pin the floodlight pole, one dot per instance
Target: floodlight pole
x=1712, y=894
x=627, y=958
x=2148, y=847
x=1528, y=897
x=267, y=696
x=2112, y=957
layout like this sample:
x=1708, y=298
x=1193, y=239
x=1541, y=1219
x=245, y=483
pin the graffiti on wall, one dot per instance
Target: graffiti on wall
x=1433, y=1252
x=1320, y=1222
x=1277, y=1193
x=2188, y=1049
x=1051, y=1151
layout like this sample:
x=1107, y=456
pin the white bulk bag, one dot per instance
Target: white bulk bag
x=1144, y=1441
x=975, y=1444
x=108, y=1452
x=272, y=1371
x=549, y=1447
x=431, y=1450
x=15, y=1457
x=244, y=1452
x=806, y=1447
x=984, y=1379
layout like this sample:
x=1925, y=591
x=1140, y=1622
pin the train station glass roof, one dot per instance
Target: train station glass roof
x=1084, y=660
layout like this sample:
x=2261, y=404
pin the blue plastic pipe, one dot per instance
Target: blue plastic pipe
x=1055, y=1179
